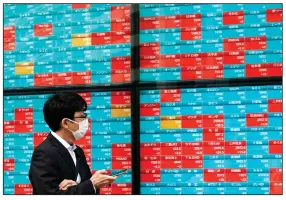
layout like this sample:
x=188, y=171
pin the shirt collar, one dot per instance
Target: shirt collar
x=63, y=142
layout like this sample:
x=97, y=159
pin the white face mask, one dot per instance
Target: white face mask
x=83, y=127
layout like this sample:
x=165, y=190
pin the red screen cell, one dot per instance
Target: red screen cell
x=275, y=147
x=213, y=121
x=274, y=105
x=194, y=33
x=214, y=175
x=9, y=164
x=120, y=12
x=150, y=63
x=122, y=77
x=24, y=114
x=120, y=37
x=172, y=151
x=194, y=20
x=9, y=127
x=191, y=73
x=192, y=148
x=233, y=44
x=121, y=188
x=150, y=176
x=274, y=15
x=236, y=175
x=276, y=188
x=213, y=134
x=24, y=126
x=255, y=43
x=192, y=121
x=9, y=46
x=170, y=60
x=9, y=32
x=188, y=60
x=212, y=59
x=122, y=162
x=106, y=190
x=192, y=162
x=277, y=71
x=233, y=18
x=121, y=151
x=170, y=21
x=80, y=5
x=150, y=151
x=150, y=162
x=43, y=79
x=80, y=78
x=10, y=40
x=256, y=72
x=260, y=119
x=276, y=175
x=23, y=189
x=171, y=162
x=235, y=147
x=120, y=25
x=235, y=57
x=212, y=74
x=262, y=70
x=100, y=38
x=120, y=63
x=149, y=23
x=39, y=138
x=43, y=30
x=170, y=96
x=150, y=109
x=120, y=97
x=151, y=48
x=214, y=148
x=62, y=78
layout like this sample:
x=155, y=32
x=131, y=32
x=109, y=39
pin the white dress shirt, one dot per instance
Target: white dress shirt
x=70, y=149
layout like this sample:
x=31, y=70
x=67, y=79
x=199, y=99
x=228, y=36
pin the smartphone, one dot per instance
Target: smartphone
x=121, y=172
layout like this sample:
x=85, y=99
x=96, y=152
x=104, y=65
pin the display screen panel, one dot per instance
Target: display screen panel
x=180, y=42
x=107, y=144
x=217, y=140
x=66, y=44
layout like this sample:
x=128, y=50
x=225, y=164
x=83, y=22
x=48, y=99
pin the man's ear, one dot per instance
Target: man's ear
x=64, y=123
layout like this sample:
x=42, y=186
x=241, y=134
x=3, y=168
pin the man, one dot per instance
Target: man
x=58, y=166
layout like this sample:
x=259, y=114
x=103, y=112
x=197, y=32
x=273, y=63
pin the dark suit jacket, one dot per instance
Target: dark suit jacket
x=51, y=164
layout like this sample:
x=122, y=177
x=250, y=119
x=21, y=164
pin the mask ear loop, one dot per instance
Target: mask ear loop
x=73, y=122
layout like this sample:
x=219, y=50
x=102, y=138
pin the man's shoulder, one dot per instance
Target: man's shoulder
x=45, y=146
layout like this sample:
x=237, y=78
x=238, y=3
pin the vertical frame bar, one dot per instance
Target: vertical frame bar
x=135, y=106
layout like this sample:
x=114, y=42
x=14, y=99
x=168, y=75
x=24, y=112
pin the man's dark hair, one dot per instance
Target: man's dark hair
x=60, y=106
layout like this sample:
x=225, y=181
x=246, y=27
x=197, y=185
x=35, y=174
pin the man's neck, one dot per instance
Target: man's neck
x=63, y=135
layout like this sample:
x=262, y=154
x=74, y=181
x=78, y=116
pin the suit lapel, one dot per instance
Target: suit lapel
x=62, y=151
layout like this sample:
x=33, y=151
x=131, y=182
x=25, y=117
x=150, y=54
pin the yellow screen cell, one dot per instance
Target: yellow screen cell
x=170, y=124
x=24, y=64
x=120, y=106
x=24, y=70
x=83, y=35
x=76, y=42
x=120, y=112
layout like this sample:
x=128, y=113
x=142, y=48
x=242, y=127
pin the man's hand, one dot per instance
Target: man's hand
x=66, y=183
x=100, y=179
